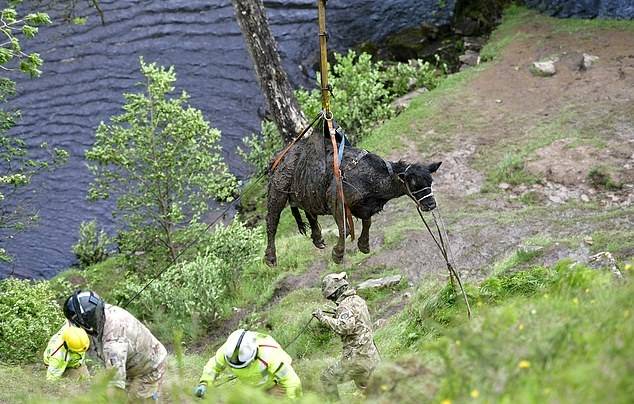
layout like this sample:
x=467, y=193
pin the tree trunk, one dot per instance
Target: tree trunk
x=273, y=80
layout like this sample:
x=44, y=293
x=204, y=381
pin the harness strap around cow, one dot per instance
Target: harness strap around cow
x=347, y=214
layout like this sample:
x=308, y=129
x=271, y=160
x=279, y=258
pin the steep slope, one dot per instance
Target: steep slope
x=536, y=178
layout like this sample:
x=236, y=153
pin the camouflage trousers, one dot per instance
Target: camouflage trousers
x=147, y=386
x=357, y=369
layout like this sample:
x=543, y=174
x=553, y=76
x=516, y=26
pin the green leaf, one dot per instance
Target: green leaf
x=29, y=31
x=9, y=15
x=37, y=19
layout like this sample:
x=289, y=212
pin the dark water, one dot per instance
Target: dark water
x=87, y=68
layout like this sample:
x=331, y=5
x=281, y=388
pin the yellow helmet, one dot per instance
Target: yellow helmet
x=76, y=339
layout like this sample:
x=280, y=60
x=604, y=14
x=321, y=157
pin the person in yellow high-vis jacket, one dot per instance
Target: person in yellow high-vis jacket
x=65, y=353
x=256, y=359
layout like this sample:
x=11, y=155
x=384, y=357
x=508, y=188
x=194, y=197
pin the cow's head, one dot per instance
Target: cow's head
x=417, y=178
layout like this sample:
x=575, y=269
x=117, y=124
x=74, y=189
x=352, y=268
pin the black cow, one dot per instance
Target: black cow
x=305, y=179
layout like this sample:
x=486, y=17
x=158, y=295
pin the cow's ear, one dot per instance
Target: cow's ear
x=434, y=166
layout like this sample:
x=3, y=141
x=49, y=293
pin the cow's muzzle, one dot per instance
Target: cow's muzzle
x=425, y=199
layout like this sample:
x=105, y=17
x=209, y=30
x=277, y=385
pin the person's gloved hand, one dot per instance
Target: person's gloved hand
x=200, y=391
x=318, y=314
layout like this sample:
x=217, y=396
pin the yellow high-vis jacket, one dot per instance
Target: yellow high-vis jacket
x=58, y=358
x=271, y=367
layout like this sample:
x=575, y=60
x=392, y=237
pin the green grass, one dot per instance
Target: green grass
x=542, y=335
x=516, y=260
x=394, y=134
x=600, y=177
x=507, y=32
x=579, y=25
x=617, y=241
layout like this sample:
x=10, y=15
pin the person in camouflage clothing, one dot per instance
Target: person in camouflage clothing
x=352, y=322
x=122, y=342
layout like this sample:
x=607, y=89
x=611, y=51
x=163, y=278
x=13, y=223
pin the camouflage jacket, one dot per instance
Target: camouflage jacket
x=352, y=322
x=127, y=346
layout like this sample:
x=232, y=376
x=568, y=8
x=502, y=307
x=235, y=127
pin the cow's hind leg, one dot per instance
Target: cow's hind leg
x=276, y=201
x=364, y=240
x=315, y=231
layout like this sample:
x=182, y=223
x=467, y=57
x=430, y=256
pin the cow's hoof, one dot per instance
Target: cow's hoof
x=337, y=257
x=364, y=248
x=319, y=244
x=270, y=261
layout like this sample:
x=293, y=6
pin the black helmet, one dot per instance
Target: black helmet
x=85, y=310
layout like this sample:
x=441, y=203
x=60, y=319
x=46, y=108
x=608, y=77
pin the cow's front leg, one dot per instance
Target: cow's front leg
x=315, y=231
x=276, y=201
x=340, y=247
x=364, y=240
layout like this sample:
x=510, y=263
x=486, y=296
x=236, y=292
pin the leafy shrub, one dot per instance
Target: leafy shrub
x=403, y=77
x=364, y=89
x=29, y=316
x=599, y=177
x=261, y=147
x=192, y=289
x=92, y=246
x=361, y=100
x=236, y=244
x=195, y=292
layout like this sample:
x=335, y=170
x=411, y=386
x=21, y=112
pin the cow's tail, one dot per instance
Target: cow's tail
x=301, y=226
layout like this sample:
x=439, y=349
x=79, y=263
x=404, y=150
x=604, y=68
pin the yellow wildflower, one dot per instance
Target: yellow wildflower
x=524, y=364
x=445, y=401
x=575, y=300
x=475, y=393
x=520, y=327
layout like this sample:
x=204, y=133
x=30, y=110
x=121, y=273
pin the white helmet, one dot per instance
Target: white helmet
x=240, y=348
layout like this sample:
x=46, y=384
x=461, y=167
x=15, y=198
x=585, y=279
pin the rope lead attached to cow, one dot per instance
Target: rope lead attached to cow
x=443, y=249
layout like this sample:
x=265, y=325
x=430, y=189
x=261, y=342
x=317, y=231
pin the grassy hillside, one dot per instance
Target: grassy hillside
x=536, y=178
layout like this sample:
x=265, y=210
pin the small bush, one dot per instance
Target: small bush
x=194, y=293
x=404, y=77
x=235, y=243
x=195, y=289
x=600, y=177
x=361, y=99
x=511, y=170
x=29, y=316
x=92, y=246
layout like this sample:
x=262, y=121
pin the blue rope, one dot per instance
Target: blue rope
x=342, y=145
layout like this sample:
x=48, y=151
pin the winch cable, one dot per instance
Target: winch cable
x=443, y=250
x=301, y=331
